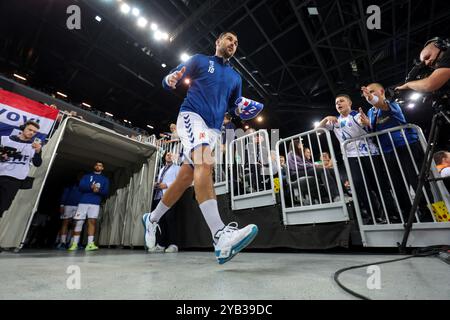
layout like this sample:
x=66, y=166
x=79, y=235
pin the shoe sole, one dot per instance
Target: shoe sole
x=144, y=217
x=241, y=245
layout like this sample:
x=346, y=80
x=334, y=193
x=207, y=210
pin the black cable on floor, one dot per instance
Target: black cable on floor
x=424, y=252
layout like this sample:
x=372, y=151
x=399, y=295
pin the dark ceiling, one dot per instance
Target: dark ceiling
x=292, y=61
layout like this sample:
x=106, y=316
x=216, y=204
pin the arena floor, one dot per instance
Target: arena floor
x=132, y=274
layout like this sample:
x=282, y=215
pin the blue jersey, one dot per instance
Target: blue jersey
x=71, y=196
x=215, y=86
x=90, y=197
x=394, y=117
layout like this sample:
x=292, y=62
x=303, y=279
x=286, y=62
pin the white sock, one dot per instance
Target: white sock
x=90, y=239
x=76, y=239
x=63, y=238
x=159, y=211
x=211, y=214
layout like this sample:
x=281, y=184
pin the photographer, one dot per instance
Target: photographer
x=433, y=73
x=436, y=56
x=17, y=152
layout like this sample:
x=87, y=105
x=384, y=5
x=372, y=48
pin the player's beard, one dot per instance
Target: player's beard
x=225, y=54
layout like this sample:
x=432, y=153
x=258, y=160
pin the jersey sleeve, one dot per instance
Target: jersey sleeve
x=191, y=67
x=235, y=94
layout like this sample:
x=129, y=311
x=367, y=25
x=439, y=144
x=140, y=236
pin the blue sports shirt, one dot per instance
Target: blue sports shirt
x=215, y=86
x=394, y=117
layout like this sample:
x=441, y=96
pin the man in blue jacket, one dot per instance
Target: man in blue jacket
x=214, y=88
x=386, y=114
x=68, y=208
x=94, y=187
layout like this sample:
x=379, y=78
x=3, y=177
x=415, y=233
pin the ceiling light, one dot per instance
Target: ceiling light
x=165, y=36
x=142, y=22
x=415, y=96
x=98, y=18
x=164, y=65
x=158, y=35
x=61, y=94
x=411, y=106
x=184, y=57
x=154, y=26
x=109, y=114
x=150, y=127
x=20, y=77
x=313, y=11
x=125, y=8
x=86, y=105
x=316, y=124
x=135, y=12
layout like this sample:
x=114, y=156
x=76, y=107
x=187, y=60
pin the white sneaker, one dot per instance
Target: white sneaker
x=172, y=249
x=156, y=249
x=149, y=231
x=230, y=240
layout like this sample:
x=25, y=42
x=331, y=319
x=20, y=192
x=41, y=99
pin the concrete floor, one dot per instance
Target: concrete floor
x=132, y=274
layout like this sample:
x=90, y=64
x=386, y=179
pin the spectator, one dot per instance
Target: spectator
x=94, y=187
x=283, y=167
x=14, y=169
x=348, y=126
x=299, y=163
x=173, y=135
x=167, y=241
x=325, y=161
x=442, y=160
x=386, y=114
x=68, y=208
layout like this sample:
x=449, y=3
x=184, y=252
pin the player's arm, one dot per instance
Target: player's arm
x=235, y=94
x=84, y=184
x=104, y=188
x=176, y=75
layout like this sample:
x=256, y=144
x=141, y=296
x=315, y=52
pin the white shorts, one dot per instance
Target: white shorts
x=69, y=212
x=194, y=133
x=89, y=210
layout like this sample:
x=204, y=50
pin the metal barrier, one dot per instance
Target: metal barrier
x=252, y=171
x=383, y=187
x=221, y=172
x=152, y=140
x=310, y=193
x=59, y=119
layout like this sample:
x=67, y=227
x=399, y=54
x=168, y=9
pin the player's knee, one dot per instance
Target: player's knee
x=78, y=225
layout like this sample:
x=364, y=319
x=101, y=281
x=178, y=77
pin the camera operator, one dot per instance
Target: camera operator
x=14, y=168
x=435, y=65
x=436, y=56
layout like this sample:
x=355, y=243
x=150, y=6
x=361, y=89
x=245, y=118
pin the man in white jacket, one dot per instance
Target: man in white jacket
x=167, y=240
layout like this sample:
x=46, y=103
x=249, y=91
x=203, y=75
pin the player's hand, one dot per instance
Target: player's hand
x=173, y=78
x=365, y=121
